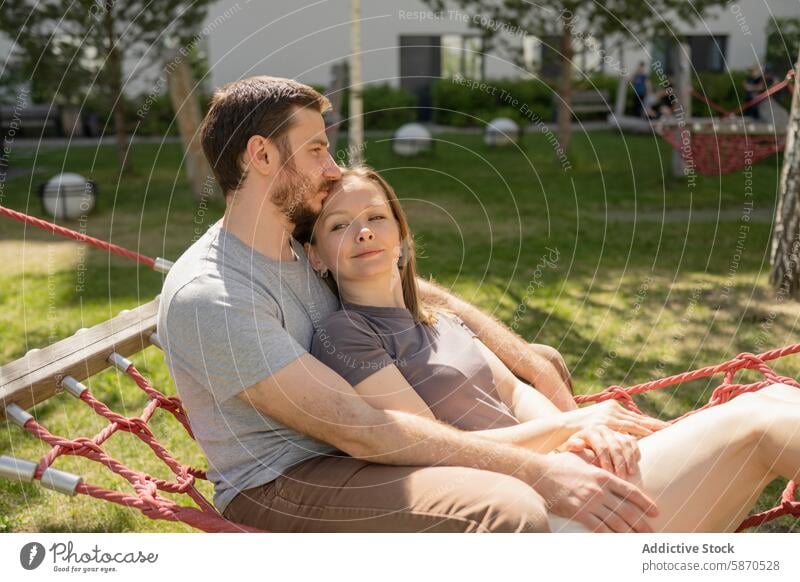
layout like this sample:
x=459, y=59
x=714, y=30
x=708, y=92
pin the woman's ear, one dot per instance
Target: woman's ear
x=313, y=257
x=404, y=253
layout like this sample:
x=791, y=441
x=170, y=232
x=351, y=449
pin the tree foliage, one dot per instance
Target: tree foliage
x=69, y=49
x=783, y=43
x=577, y=24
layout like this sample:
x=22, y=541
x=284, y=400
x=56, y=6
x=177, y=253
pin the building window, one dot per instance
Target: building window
x=550, y=59
x=708, y=52
x=542, y=57
x=462, y=55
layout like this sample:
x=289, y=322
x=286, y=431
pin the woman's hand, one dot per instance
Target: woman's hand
x=616, y=417
x=610, y=450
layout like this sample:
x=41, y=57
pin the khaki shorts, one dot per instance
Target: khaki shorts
x=343, y=494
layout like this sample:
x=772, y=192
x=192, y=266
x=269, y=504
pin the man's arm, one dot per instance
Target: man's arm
x=309, y=397
x=522, y=359
x=388, y=389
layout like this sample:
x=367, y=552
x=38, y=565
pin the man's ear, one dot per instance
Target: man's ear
x=260, y=156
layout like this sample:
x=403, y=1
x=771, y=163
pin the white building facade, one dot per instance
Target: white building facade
x=302, y=39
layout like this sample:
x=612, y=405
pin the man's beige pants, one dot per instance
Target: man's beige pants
x=343, y=494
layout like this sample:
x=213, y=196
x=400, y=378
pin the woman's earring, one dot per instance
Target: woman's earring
x=323, y=273
x=401, y=260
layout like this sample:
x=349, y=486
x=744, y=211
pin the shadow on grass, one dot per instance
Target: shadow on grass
x=117, y=519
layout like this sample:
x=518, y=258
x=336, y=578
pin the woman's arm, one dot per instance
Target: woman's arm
x=544, y=427
x=514, y=351
x=527, y=405
x=387, y=389
x=525, y=402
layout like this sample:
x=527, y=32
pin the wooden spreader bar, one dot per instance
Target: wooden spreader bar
x=37, y=376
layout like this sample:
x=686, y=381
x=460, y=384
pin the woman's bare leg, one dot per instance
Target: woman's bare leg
x=707, y=471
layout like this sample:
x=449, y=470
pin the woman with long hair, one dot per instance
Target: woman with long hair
x=705, y=473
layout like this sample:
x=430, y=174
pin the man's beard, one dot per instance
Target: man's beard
x=293, y=192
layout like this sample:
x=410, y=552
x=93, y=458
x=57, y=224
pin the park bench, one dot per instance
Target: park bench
x=590, y=102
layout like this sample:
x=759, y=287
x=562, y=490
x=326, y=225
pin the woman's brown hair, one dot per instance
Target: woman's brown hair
x=408, y=264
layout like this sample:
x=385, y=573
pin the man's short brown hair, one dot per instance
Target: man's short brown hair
x=254, y=106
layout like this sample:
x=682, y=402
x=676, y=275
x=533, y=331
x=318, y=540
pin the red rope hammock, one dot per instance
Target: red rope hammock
x=713, y=152
x=146, y=487
x=78, y=236
x=206, y=518
x=723, y=393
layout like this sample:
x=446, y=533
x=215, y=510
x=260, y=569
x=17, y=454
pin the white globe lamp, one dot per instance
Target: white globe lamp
x=412, y=139
x=68, y=196
x=501, y=132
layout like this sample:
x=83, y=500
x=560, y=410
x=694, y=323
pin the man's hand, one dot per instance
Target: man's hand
x=610, y=450
x=596, y=498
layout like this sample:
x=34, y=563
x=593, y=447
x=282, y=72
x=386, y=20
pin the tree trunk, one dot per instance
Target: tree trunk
x=116, y=98
x=785, y=252
x=355, y=123
x=681, y=56
x=189, y=117
x=339, y=80
x=564, y=99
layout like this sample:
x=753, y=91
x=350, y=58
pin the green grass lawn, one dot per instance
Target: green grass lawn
x=632, y=274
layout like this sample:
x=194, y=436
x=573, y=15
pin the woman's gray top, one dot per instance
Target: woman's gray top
x=442, y=363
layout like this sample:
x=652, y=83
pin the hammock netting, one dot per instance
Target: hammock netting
x=203, y=515
x=712, y=152
x=146, y=487
x=715, y=147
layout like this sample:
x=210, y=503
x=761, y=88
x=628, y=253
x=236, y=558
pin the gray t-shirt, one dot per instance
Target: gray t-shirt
x=442, y=363
x=230, y=317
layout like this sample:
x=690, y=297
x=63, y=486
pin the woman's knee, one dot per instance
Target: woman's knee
x=782, y=393
x=756, y=406
x=746, y=418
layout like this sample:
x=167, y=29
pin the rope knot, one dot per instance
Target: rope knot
x=723, y=393
x=147, y=490
x=753, y=359
x=619, y=393
x=791, y=507
x=137, y=425
x=185, y=480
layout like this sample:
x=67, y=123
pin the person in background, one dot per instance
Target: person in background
x=754, y=84
x=641, y=89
